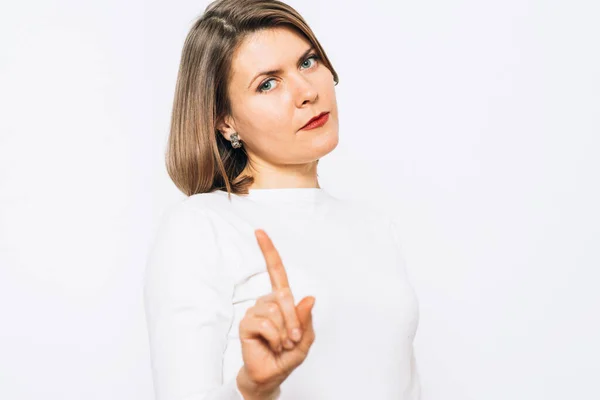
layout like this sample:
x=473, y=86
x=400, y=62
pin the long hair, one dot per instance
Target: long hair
x=198, y=158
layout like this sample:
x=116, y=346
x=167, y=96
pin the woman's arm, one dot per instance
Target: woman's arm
x=187, y=298
x=413, y=391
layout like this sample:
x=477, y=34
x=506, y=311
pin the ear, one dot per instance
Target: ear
x=226, y=126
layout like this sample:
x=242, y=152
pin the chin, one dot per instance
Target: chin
x=325, y=144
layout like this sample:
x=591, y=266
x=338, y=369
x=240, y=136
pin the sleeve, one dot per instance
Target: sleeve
x=413, y=391
x=187, y=301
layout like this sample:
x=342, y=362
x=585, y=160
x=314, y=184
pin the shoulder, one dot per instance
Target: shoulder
x=197, y=206
x=206, y=202
x=185, y=231
x=191, y=216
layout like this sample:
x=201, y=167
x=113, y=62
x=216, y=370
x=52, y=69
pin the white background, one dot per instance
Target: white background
x=476, y=122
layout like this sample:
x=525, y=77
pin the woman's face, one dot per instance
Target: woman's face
x=268, y=111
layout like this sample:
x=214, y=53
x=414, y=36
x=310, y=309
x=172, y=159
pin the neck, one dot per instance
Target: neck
x=267, y=176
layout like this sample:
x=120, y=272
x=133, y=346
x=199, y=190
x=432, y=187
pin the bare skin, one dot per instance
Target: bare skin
x=268, y=111
x=267, y=326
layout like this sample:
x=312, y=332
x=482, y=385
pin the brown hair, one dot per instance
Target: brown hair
x=198, y=158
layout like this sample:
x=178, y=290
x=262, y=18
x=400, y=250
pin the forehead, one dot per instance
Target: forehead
x=265, y=50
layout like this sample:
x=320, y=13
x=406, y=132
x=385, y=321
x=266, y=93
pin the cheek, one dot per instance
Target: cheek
x=327, y=85
x=267, y=114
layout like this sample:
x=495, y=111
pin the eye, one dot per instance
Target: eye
x=266, y=86
x=314, y=57
x=263, y=89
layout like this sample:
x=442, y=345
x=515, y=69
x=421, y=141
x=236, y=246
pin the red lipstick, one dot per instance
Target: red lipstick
x=317, y=121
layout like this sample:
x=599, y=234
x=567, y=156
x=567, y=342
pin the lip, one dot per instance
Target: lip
x=317, y=121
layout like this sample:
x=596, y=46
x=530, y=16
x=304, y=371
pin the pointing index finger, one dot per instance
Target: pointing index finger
x=279, y=279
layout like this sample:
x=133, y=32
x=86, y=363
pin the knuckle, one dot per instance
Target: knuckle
x=273, y=309
x=262, y=300
x=283, y=293
x=249, y=312
x=265, y=324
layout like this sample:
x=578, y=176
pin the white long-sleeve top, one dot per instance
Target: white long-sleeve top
x=205, y=269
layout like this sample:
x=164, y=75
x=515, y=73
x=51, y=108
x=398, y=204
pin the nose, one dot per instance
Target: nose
x=306, y=91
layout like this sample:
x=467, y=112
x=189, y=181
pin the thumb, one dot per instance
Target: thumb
x=304, y=312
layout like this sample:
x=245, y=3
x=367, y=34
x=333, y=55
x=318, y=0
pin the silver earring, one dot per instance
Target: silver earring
x=235, y=141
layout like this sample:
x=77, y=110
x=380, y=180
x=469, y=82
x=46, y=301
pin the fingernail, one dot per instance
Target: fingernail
x=289, y=344
x=296, y=334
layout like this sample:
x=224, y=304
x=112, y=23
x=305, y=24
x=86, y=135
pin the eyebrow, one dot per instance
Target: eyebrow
x=279, y=70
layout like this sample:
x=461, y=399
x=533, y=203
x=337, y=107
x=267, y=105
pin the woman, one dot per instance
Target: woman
x=254, y=110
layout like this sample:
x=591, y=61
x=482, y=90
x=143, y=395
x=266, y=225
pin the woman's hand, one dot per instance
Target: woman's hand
x=265, y=332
